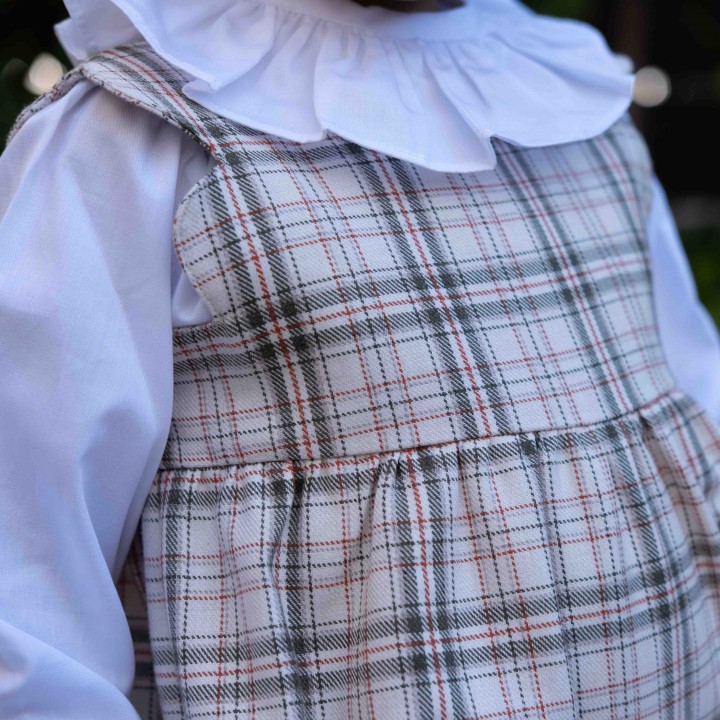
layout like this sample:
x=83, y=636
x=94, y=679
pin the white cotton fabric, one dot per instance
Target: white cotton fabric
x=88, y=297
x=302, y=68
x=90, y=287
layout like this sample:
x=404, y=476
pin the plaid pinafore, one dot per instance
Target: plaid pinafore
x=427, y=460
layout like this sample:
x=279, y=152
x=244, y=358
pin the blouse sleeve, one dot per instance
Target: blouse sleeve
x=88, y=190
x=689, y=337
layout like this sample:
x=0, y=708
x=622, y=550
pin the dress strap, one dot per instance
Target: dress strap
x=138, y=75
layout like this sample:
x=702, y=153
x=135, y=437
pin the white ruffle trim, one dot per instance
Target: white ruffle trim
x=431, y=88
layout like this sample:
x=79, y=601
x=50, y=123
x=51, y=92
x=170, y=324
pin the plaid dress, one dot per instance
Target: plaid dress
x=427, y=460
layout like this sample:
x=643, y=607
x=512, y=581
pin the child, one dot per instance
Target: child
x=354, y=306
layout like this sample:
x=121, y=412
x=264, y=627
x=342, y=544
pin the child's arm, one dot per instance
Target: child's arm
x=689, y=336
x=87, y=196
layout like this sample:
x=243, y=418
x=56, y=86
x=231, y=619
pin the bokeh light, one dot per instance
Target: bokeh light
x=44, y=71
x=652, y=86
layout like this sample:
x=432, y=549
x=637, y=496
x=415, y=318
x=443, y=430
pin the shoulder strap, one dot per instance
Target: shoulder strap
x=138, y=75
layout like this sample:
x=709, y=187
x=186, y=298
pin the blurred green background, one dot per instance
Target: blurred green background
x=682, y=38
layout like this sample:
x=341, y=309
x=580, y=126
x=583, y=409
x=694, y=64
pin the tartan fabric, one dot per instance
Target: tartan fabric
x=426, y=461
x=131, y=590
x=560, y=574
x=363, y=304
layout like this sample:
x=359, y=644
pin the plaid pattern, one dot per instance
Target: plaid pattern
x=561, y=574
x=362, y=304
x=426, y=460
x=131, y=590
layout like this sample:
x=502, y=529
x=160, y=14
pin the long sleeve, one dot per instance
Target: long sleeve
x=88, y=190
x=689, y=337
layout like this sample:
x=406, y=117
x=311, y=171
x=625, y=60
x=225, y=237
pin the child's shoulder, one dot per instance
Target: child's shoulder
x=137, y=78
x=55, y=93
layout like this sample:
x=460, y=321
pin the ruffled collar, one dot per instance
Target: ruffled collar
x=431, y=88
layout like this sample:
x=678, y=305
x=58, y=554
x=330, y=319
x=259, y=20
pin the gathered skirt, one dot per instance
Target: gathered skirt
x=569, y=573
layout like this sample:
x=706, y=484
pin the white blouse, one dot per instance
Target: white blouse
x=90, y=289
